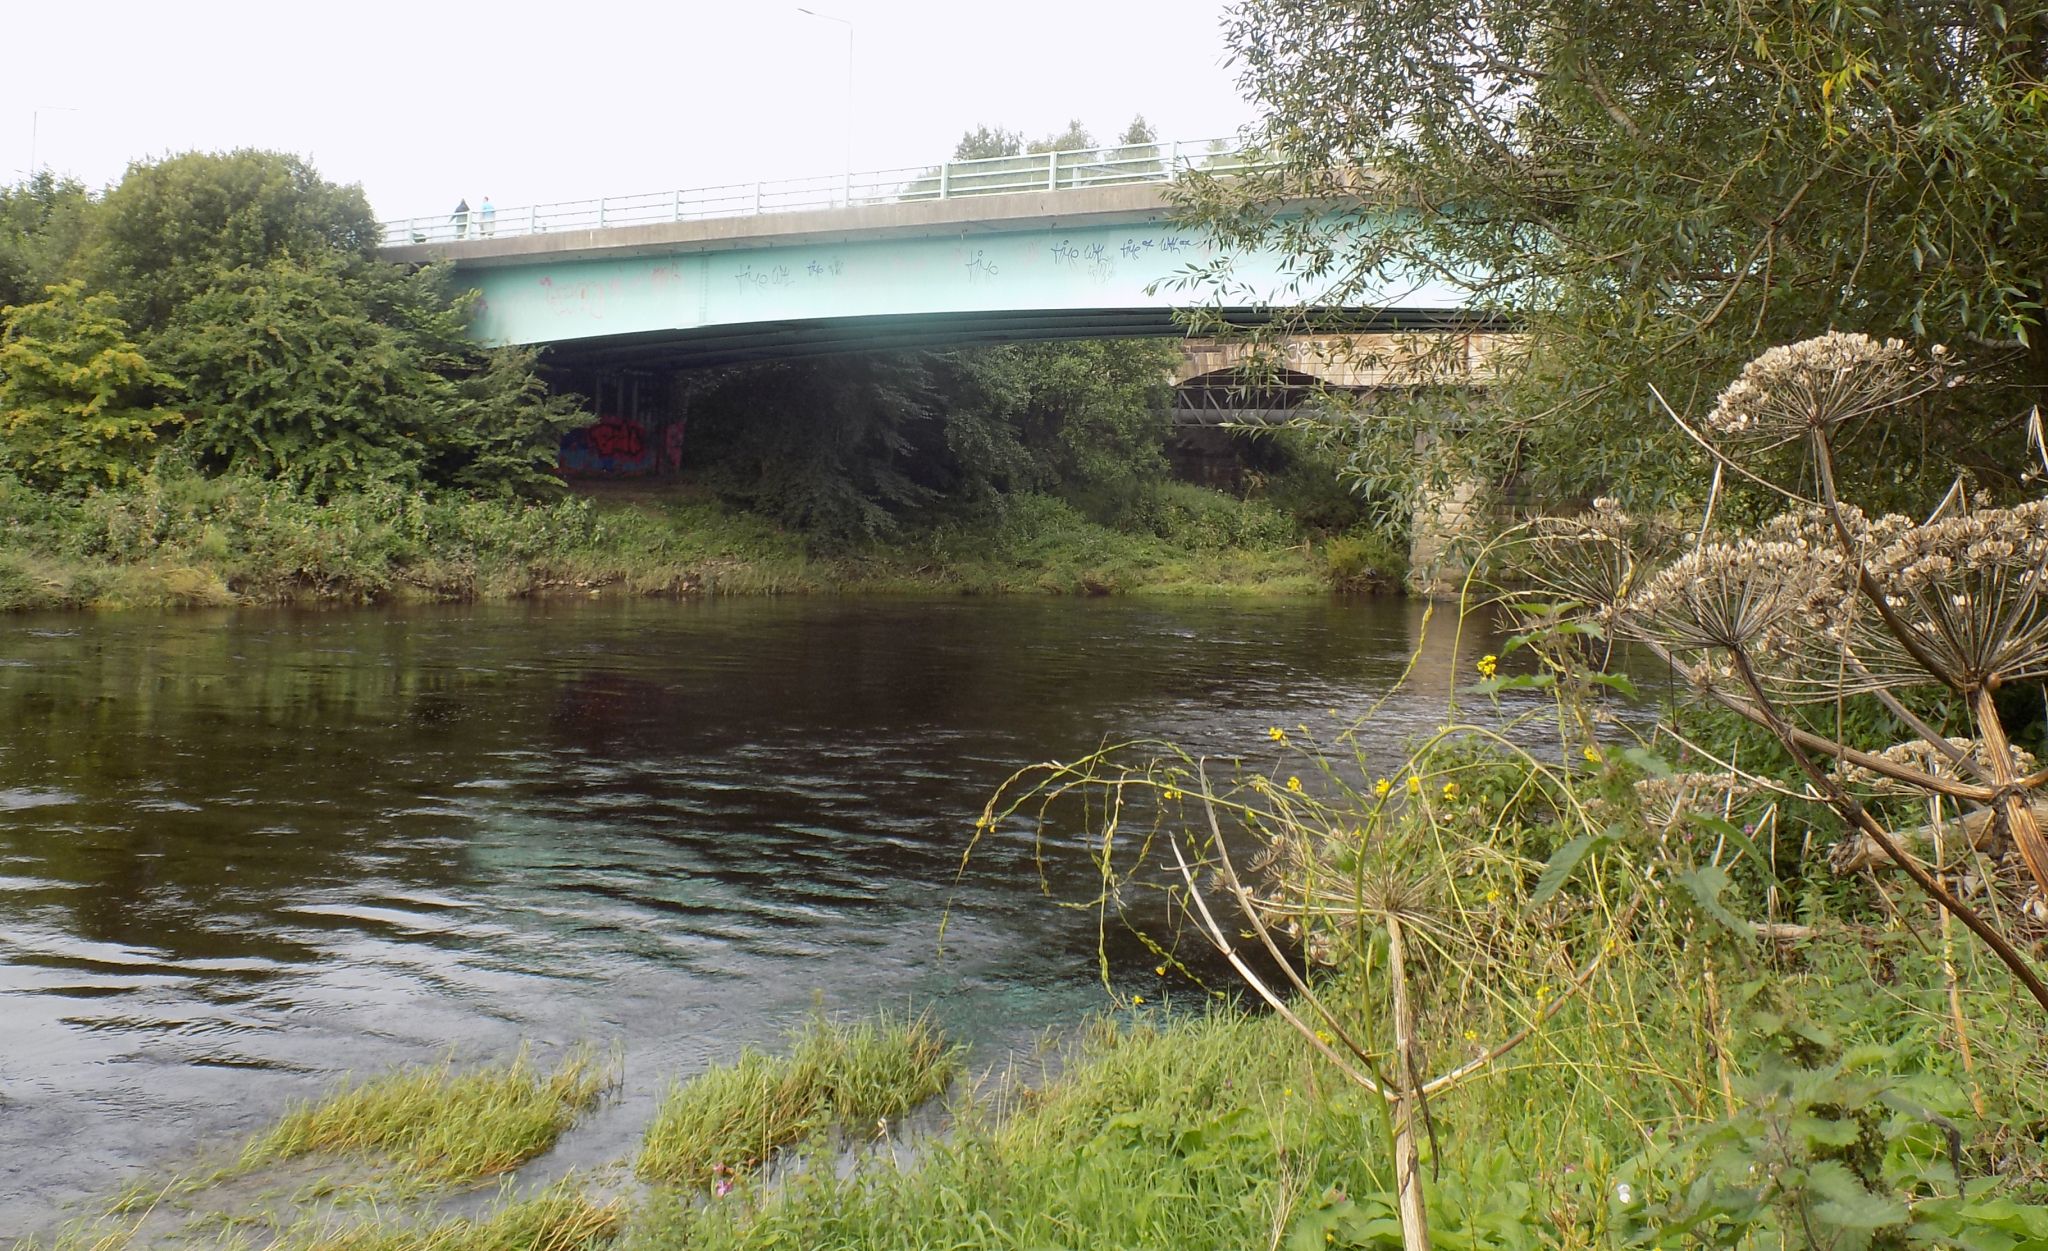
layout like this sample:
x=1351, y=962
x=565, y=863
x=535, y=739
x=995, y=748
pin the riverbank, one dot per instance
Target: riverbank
x=175, y=542
x=1158, y=1127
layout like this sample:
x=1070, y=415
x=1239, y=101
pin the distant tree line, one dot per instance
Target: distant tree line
x=226, y=314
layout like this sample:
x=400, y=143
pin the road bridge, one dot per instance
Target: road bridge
x=1053, y=246
x=632, y=294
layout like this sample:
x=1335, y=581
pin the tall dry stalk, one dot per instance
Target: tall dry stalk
x=1393, y=898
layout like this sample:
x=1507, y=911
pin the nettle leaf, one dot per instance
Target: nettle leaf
x=1846, y=1204
x=1705, y=885
x=1645, y=759
x=1820, y=1131
x=1730, y=831
x=1563, y=862
x=1584, y=629
x=2029, y=1220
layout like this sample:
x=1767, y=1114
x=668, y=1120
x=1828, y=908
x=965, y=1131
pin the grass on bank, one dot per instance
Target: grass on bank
x=560, y=1218
x=439, y=1125
x=1224, y=1131
x=733, y=1118
x=182, y=541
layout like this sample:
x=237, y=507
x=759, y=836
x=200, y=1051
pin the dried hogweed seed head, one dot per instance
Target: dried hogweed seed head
x=1815, y=384
x=1966, y=592
x=1596, y=559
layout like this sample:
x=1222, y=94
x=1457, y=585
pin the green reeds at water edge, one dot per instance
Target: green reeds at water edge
x=560, y=1218
x=850, y=1077
x=441, y=1125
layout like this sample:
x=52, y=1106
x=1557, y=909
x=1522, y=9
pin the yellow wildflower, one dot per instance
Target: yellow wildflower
x=1323, y=1037
x=1160, y=970
x=1471, y=1035
x=1171, y=794
x=1493, y=896
x=1277, y=734
x=1137, y=999
x=1414, y=785
x=1450, y=790
x=1382, y=787
x=1489, y=664
x=1592, y=754
x=1294, y=784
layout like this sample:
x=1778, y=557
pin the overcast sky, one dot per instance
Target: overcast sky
x=424, y=103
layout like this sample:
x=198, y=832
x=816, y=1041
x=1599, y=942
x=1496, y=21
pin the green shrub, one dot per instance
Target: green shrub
x=335, y=377
x=1365, y=562
x=1205, y=520
x=1290, y=471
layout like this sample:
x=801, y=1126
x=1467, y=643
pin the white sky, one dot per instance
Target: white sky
x=424, y=103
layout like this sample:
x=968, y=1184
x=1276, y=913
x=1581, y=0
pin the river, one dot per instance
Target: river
x=244, y=854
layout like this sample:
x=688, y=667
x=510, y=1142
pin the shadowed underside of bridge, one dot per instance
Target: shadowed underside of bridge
x=802, y=338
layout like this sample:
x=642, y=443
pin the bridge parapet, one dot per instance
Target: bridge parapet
x=1000, y=175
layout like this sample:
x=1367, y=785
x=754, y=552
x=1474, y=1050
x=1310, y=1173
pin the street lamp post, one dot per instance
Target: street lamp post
x=846, y=188
x=35, y=125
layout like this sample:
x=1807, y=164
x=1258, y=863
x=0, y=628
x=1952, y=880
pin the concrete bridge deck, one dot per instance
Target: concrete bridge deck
x=1092, y=250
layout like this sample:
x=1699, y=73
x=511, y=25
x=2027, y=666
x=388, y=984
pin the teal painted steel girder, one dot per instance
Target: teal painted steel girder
x=782, y=295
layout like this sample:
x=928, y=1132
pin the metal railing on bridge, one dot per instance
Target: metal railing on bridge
x=1038, y=171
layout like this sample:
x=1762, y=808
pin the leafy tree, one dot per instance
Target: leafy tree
x=333, y=380
x=842, y=448
x=1073, y=139
x=290, y=376
x=1090, y=416
x=1138, y=133
x=171, y=226
x=77, y=400
x=984, y=142
x=861, y=445
x=41, y=223
x=1651, y=191
x=494, y=428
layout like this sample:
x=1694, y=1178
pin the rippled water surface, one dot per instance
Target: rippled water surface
x=243, y=854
